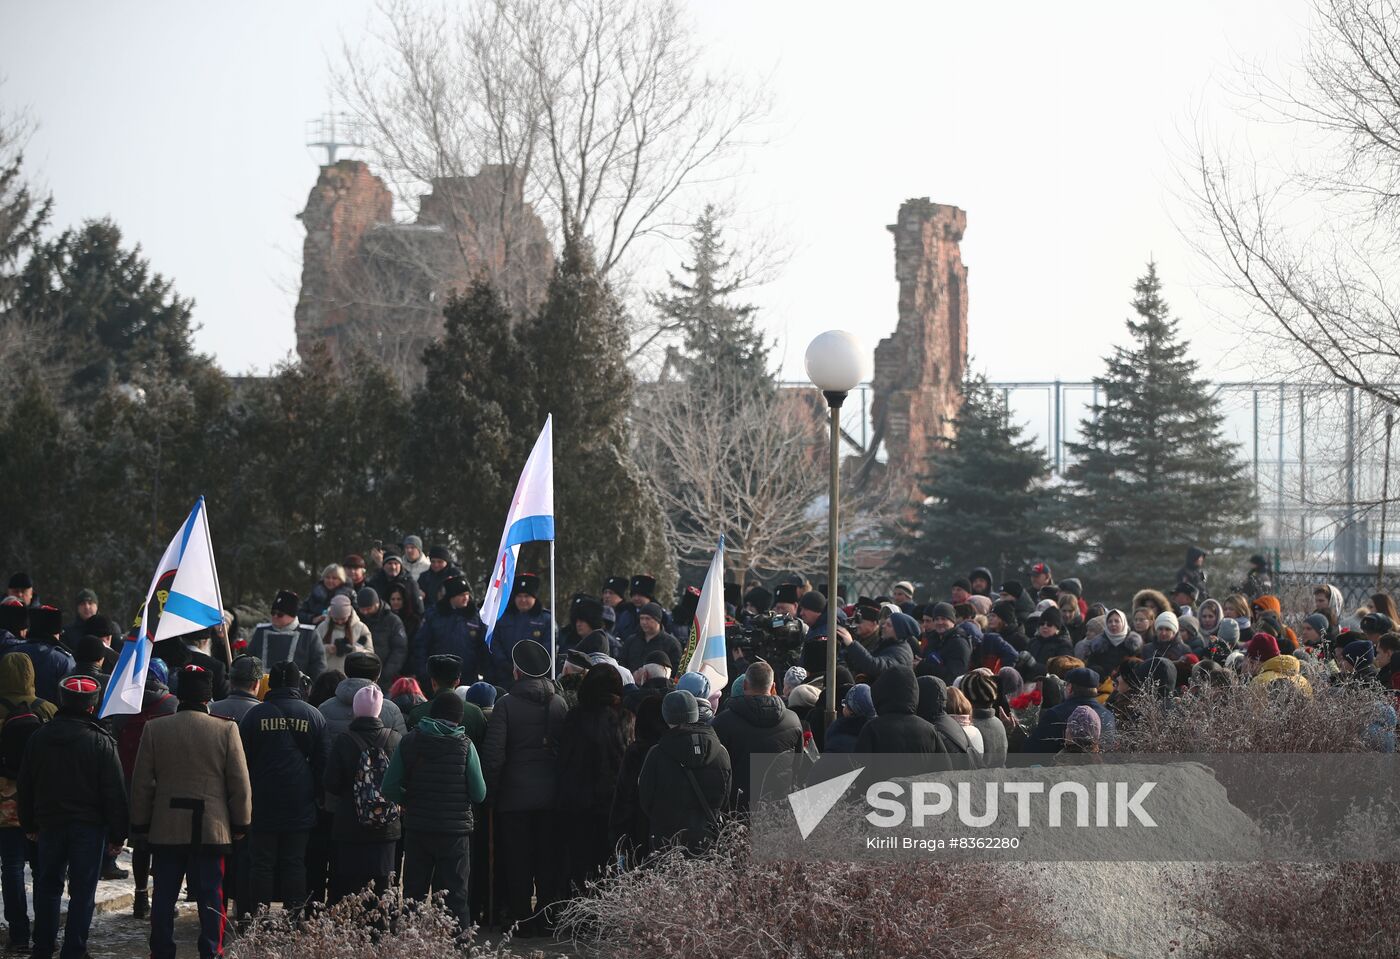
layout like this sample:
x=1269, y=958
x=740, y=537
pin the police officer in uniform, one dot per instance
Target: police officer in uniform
x=524, y=618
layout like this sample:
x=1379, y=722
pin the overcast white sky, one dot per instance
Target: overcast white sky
x=1058, y=127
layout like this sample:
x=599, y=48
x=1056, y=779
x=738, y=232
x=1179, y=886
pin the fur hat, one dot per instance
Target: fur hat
x=759, y=598
x=445, y=669
x=45, y=621
x=643, y=585
x=286, y=602
x=195, y=685
x=284, y=676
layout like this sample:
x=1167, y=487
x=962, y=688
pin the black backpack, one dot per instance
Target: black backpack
x=20, y=723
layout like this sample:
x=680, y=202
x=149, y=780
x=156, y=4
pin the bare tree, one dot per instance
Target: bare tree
x=752, y=471
x=1307, y=243
x=1311, y=246
x=597, y=113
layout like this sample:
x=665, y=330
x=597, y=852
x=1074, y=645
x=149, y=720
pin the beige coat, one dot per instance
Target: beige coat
x=355, y=633
x=190, y=769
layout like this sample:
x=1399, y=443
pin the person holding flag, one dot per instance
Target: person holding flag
x=524, y=618
x=183, y=598
x=708, y=654
x=529, y=520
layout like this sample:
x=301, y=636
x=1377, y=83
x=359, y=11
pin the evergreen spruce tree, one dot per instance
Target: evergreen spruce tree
x=607, y=519
x=22, y=216
x=988, y=502
x=474, y=419
x=720, y=345
x=106, y=313
x=1153, y=473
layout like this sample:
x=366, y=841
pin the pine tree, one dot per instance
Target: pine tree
x=607, y=519
x=988, y=502
x=474, y=419
x=720, y=343
x=22, y=217
x=104, y=311
x=1153, y=473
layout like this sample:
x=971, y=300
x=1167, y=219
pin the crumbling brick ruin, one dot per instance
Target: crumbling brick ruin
x=371, y=283
x=919, y=368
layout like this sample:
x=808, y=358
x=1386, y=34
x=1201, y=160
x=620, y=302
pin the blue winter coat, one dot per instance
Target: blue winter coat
x=285, y=745
x=450, y=632
x=51, y=663
x=511, y=628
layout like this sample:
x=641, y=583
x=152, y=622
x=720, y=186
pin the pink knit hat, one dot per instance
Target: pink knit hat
x=368, y=699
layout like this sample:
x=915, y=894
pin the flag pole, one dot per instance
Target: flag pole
x=553, y=623
x=553, y=609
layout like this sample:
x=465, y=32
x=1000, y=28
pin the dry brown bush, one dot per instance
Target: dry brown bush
x=728, y=905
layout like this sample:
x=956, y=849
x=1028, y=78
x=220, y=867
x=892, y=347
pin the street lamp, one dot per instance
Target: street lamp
x=836, y=364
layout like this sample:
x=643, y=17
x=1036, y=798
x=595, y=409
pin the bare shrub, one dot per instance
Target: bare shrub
x=367, y=926
x=1252, y=719
x=728, y=905
x=1280, y=910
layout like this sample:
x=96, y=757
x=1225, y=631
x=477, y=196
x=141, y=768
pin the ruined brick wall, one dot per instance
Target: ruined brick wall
x=346, y=202
x=372, y=284
x=919, y=368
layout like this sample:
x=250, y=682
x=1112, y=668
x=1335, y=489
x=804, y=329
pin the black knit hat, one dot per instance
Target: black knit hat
x=1048, y=592
x=962, y=583
x=21, y=581
x=653, y=610
x=196, y=685
x=812, y=601
x=91, y=649
x=1006, y=611
x=1050, y=616
x=643, y=585
x=1013, y=589
x=448, y=706
x=440, y=552
x=595, y=642
x=454, y=586
x=286, y=602
x=943, y=611
x=530, y=658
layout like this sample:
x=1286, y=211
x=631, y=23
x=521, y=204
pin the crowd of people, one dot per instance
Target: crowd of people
x=375, y=732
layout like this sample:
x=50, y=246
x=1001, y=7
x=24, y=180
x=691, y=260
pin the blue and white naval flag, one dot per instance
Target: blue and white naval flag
x=530, y=520
x=183, y=598
x=710, y=656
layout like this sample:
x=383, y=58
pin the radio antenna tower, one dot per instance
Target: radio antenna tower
x=333, y=132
